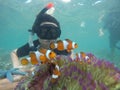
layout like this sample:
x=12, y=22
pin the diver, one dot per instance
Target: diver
x=112, y=24
x=47, y=29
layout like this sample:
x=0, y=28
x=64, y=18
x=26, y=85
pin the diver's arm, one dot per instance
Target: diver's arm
x=17, y=53
x=21, y=52
x=15, y=59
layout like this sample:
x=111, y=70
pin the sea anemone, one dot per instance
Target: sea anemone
x=95, y=75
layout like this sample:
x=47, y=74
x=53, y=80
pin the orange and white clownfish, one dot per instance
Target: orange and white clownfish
x=47, y=55
x=64, y=45
x=54, y=71
x=41, y=56
x=82, y=56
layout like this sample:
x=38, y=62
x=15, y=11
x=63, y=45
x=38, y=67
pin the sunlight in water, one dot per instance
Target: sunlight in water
x=66, y=1
x=28, y=1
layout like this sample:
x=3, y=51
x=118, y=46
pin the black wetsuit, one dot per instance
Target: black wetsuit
x=25, y=49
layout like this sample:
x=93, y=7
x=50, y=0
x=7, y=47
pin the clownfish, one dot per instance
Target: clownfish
x=42, y=56
x=47, y=55
x=54, y=71
x=82, y=56
x=64, y=45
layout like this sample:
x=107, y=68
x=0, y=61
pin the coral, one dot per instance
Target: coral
x=95, y=75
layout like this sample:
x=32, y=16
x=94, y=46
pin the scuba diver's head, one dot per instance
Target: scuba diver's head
x=46, y=27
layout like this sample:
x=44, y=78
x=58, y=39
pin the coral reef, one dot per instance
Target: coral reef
x=95, y=75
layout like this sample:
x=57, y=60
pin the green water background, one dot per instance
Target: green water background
x=16, y=17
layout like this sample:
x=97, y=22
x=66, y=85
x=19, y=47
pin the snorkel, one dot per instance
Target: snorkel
x=31, y=38
x=51, y=9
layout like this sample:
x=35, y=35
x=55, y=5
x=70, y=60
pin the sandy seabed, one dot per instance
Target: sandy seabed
x=6, y=85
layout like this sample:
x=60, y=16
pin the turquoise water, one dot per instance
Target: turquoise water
x=80, y=20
